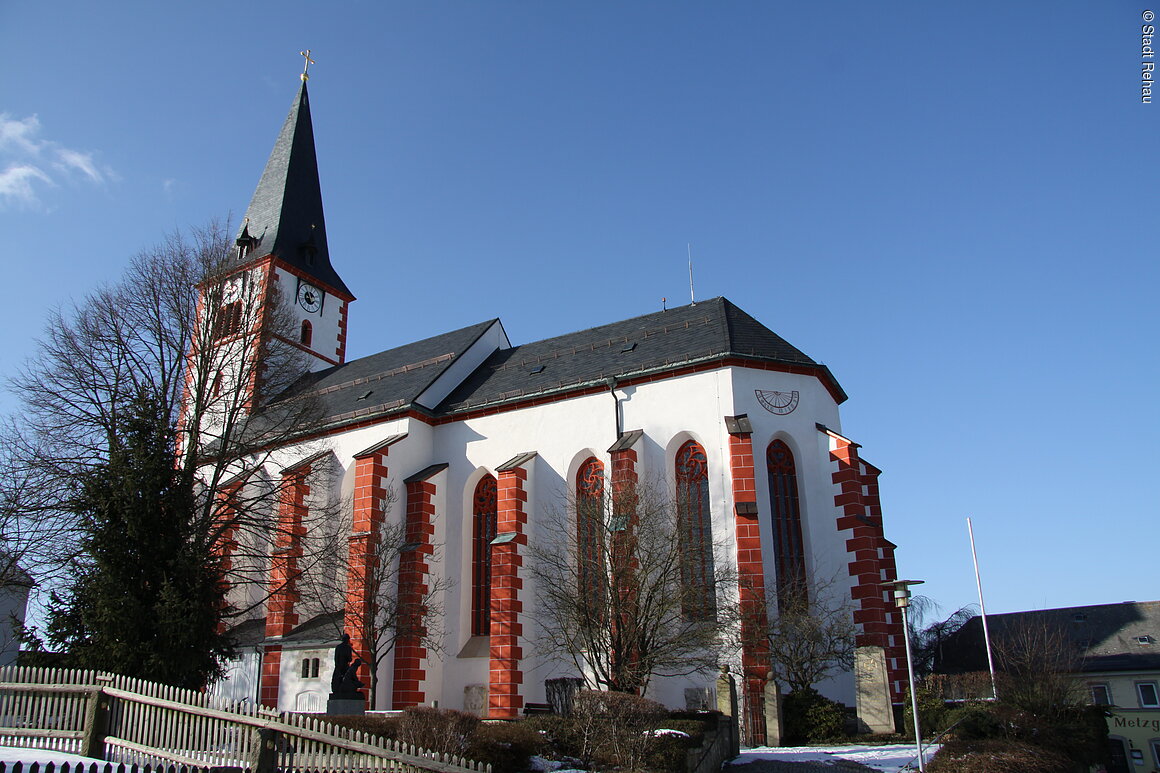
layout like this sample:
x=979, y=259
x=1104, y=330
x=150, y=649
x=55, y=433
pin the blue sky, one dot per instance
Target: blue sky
x=952, y=205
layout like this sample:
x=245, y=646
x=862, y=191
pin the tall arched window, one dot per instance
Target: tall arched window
x=306, y=334
x=590, y=534
x=695, y=524
x=789, y=552
x=484, y=509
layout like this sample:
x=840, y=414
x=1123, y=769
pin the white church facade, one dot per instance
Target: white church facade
x=467, y=439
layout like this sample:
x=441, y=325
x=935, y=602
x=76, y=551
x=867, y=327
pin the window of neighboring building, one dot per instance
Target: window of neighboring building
x=1155, y=744
x=306, y=334
x=484, y=512
x=590, y=531
x=1149, y=697
x=789, y=551
x=1101, y=695
x=696, y=532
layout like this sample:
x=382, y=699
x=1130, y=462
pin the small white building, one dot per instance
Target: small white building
x=480, y=436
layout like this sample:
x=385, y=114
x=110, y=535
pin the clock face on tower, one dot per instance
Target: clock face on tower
x=232, y=290
x=309, y=297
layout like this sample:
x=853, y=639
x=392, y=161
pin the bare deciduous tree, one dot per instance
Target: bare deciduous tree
x=1037, y=661
x=192, y=328
x=927, y=638
x=402, y=598
x=812, y=636
x=614, y=593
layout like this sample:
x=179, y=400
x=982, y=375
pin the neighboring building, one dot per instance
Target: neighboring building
x=1117, y=659
x=17, y=584
x=480, y=437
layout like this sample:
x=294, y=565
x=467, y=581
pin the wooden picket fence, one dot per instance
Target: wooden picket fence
x=93, y=767
x=135, y=722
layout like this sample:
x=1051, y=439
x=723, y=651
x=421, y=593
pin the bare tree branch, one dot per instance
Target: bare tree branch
x=614, y=591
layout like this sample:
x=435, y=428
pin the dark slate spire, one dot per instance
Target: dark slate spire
x=285, y=215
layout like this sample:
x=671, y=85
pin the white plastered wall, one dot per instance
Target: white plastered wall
x=563, y=433
x=324, y=322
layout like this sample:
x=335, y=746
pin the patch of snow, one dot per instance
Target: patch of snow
x=10, y=754
x=668, y=732
x=890, y=758
x=539, y=764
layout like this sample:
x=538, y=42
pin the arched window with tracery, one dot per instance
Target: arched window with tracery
x=484, y=510
x=695, y=524
x=789, y=551
x=590, y=534
x=306, y=334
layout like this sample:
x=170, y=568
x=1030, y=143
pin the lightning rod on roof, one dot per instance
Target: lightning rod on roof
x=692, y=299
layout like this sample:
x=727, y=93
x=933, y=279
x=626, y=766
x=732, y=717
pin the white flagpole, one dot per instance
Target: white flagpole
x=982, y=610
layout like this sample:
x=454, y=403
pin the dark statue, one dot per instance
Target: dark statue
x=345, y=684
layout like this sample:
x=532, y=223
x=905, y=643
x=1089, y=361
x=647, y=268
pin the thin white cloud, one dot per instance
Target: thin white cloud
x=33, y=163
x=19, y=136
x=16, y=185
x=83, y=162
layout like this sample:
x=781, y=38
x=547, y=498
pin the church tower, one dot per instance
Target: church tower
x=282, y=253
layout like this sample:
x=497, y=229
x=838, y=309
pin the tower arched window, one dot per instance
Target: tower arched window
x=306, y=334
x=484, y=511
x=590, y=534
x=788, y=547
x=695, y=526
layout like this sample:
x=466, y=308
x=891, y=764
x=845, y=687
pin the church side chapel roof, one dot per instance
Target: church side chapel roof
x=285, y=214
x=664, y=340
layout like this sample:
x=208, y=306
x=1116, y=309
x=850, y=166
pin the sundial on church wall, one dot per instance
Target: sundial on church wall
x=780, y=403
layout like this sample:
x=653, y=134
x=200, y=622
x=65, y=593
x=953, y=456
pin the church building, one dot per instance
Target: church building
x=467, y=440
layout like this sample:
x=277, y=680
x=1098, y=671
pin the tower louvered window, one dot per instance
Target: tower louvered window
x=229, y=320
x=789, y=551
x=695, y=524
x=484, y=513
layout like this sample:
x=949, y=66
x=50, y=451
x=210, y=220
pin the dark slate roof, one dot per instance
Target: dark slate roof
x=248, y=633
x=391, y=381
x=708, y=330
x=285, y=215
x=324, y=629
x=387, y=381
x=1105, y=637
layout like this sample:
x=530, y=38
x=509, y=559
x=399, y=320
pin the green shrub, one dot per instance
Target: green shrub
x=560, y=735
x=933, y=713
x=1076, y=733
x=973, y=722
x=997, y=756
x=810, y=717
x=507, y=746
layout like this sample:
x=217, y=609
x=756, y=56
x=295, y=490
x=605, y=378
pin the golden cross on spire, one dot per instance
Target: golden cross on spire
x=306, y=67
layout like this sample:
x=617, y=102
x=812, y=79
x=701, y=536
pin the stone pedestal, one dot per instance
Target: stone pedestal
x=347, y=702
x=773, y=714
x=346, y=705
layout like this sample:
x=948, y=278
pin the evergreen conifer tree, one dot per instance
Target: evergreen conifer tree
x=146, y=597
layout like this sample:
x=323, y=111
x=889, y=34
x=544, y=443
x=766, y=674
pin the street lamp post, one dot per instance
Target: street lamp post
x=902, y=601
